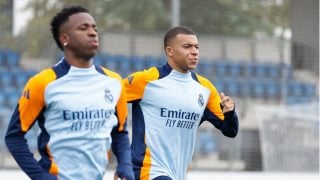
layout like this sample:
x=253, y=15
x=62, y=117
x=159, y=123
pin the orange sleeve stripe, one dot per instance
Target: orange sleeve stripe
x=122, y=109
x=54, y=167
x=32, y=100
x=136, y=83
x=146, y=167
x=214, y=99
x=109, y=153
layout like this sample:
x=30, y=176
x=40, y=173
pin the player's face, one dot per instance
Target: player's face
x=82, y=36
x=184, y=52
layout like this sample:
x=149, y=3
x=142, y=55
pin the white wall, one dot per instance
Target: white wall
x=211, y=47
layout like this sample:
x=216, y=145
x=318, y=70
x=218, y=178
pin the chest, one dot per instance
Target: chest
x=188, y=96
x=82, y=94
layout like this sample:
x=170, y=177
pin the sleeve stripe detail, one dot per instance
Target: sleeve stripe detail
x=32, y=102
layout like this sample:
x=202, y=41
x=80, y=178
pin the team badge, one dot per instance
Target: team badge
x=200, y=100
x=108, y=96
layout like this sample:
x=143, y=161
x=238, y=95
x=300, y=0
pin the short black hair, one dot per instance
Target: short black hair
x=173, y=32
x=60, y=18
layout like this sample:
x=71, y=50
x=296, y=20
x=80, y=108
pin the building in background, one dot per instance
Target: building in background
x=305, y=35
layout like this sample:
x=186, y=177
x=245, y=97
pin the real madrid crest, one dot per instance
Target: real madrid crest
x=108, y=96
x=200, y=100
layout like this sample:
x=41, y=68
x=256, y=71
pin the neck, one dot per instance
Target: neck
x=79, y=62
x=176, y=67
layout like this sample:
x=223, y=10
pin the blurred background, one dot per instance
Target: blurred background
x=262, y=53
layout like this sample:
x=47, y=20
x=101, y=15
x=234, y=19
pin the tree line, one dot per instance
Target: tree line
x=238, y=18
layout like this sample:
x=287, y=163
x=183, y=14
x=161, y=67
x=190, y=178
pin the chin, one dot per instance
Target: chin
x=192, y=67
x=89, y=56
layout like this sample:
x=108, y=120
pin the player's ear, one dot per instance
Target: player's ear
x=169, y=51
x=63, y=38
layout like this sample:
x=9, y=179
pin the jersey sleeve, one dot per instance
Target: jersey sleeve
x=120, y=140
x=226, y=122
x=136, y=83
x=29, y=108
x=121, y=106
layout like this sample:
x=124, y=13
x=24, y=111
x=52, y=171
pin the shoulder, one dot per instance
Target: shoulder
x=205, y=82
x=111, y=73
x=202, y=80
x=42, y=78
x=144, y=76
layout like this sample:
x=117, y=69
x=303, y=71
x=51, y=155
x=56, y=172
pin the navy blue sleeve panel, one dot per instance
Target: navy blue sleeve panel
x=30, y=107
x=138, y=144
x=229, y=126
x=17, y=145
x=121, y=149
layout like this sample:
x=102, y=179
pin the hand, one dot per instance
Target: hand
x=124, y=172
x=227, y=103
x=116, y=177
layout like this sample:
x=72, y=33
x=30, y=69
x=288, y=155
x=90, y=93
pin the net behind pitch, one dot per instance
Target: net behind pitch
x=289, y=137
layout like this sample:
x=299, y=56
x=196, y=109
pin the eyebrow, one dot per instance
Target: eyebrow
x=189, y=43
x=87, y=24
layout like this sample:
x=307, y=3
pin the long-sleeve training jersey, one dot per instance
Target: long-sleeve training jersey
x=167, y=108
x=81, y=113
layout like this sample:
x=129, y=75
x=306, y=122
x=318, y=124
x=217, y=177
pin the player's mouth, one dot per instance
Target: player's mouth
x=194, y=61
x=94, y=43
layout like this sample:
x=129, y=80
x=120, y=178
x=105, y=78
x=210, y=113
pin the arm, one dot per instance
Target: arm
x=228, y=123
x=230, y=126
x=121, y=148
x=17, y=145
x=120, y=140
x=29, y=108
x=220, y=110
